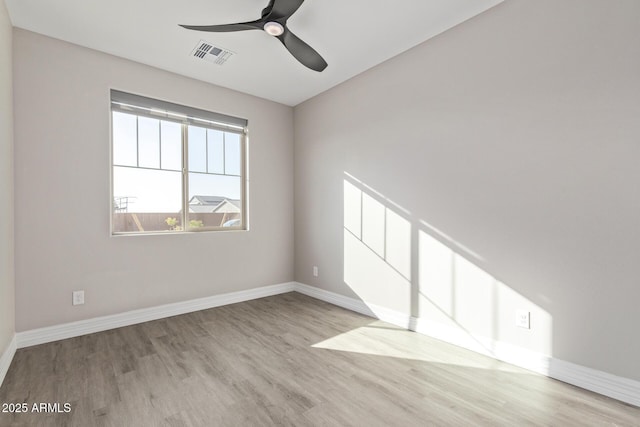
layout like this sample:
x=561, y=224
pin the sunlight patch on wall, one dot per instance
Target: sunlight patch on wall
x=373, y=224
x=398, y=241
x=448, y=293
x=353, y=209
x=457, y=293
x=436, y=273
x=377, y=250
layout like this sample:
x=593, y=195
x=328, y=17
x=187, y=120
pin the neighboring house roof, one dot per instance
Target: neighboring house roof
x=206, y=200
x=213, y=204
x=228, y=206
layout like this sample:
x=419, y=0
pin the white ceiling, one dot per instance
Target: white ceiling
x=352, y=36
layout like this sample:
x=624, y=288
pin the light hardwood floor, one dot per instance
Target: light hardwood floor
x=286, y=360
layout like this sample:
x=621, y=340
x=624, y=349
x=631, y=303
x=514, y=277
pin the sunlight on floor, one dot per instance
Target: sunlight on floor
x=382, y=339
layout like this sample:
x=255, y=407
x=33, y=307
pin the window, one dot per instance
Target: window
x=175, y=168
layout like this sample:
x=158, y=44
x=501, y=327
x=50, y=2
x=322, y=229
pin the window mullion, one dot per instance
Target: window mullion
x=137, y=143
x=206, y=149
x=224, y=153
x=185, y=175
x=160, y=143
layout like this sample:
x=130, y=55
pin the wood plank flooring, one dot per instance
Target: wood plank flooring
x=286, y=360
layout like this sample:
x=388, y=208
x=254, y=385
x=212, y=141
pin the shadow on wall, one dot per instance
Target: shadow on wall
x=395, y=260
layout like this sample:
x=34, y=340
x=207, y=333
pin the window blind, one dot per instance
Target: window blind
x=140, y=105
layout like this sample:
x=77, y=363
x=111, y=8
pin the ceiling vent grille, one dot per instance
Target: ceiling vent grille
x=209, y=52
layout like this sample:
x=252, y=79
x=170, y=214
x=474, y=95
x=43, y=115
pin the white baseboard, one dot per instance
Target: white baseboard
x=98, y=324
x=620, y=388
x=623, y=389
x=372, y=310
x=516, y=355
x=6, y=358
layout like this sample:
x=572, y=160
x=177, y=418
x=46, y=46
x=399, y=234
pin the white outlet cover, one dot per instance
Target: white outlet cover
x=523, y=319
x=78, y=297
x=315, y=271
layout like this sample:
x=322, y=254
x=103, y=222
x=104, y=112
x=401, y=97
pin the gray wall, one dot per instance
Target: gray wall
x=7, y=306
x=62, y=192
x=505, y=155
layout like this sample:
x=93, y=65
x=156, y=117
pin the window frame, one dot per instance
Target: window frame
x=139, y=106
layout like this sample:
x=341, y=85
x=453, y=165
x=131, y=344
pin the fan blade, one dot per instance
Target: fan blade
x=304, y=53
x=226, y=28
x=281, y=9
x=267, y=10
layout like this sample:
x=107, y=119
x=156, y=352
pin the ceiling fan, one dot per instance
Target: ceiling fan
x=274, y=22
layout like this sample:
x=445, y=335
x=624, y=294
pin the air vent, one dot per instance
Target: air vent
x=209, y=52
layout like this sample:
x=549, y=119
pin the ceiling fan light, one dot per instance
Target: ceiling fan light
x=274, y=28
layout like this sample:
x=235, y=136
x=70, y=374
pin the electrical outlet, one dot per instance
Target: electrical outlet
x=523, y=319
x=78, y=297
x=315, y=271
